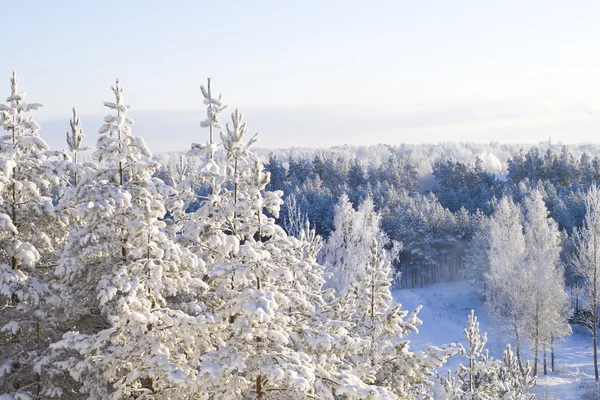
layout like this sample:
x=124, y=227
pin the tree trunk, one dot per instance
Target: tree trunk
x=372, y=312
x=123, y=247
x=75, y=159
x=210, y=126
x=595, y=339
x=537, y=338
x=594, y=298
x=39, y=347
x=471, y=372
x=518, y=350
x=552, y=352
x=259, y=392
x=545, y=367
x=14, y=215
x=14, y=200
x=576, y=296
x=235, y=183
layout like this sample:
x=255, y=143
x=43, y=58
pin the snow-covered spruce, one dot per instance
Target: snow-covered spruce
x=127, y=289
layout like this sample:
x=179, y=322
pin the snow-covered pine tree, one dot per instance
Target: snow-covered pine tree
x=252, y=283
x=29, y=232
x=549, y=302
x=127, y=289
x=507, y=295
x=514, y=380
x=271, y=333
x=25, y=179
x=404, y=372
x=484, y=378
x=203, y=177
x=478, y=378
x=586, y=263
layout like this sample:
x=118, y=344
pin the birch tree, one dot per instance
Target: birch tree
x=506, y=286
x=545, y=278
x=586, y=263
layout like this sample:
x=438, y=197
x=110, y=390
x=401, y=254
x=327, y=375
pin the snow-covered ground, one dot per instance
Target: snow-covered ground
x=446, y=307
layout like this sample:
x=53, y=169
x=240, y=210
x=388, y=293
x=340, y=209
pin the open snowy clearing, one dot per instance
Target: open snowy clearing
x=446, y=307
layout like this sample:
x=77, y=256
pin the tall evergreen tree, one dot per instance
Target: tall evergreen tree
x=124, y=283
x=29, y=233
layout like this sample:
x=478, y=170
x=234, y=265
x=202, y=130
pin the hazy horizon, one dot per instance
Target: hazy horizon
x=282, y=127
x=315, y=74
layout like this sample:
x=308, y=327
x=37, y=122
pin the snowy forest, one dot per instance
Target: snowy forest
x=228, y=271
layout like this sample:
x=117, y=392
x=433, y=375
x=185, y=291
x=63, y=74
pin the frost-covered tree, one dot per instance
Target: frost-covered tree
x=384, y=324
x=507, y=295
x=513, y=378
x=476, y=258
x=177, y=169
x=25, y=180
x=339, y=252
x=293, y=219
x=484, y=378
x=29, y=233
x=525, y=282
x=348, y=249
x=271, y=336
x=127, y=289
x=544, y=275
x=586, y=263
x=477, y=379
x=361, y=265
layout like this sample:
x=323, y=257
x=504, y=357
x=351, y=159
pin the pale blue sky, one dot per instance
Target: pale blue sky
x=315, y=73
